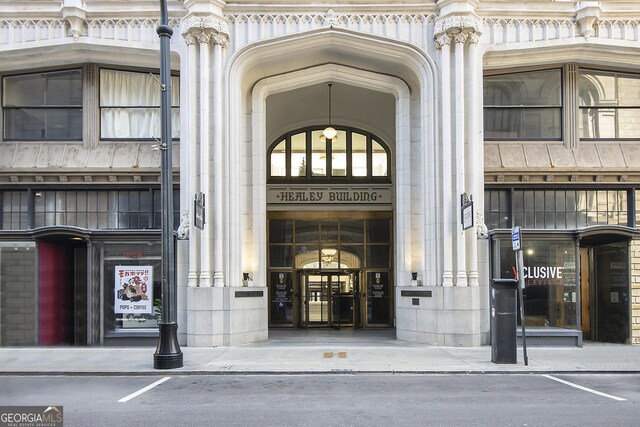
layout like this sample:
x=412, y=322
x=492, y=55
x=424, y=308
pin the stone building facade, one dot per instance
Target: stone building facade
x=529, y=110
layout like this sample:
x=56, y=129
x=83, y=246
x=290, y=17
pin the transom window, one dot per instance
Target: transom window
x=306, y=156
x=558, y=209
x=43, y=106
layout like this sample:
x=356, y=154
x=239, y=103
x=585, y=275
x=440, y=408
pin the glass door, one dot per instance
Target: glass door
x=315, y=295
x=330, y=299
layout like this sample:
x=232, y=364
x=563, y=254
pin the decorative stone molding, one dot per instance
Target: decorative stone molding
x=500, y=178
x=482, y=231
x=137, y=178
x=13, y=178
x=183, y=228
x=215, y=29
x=457, y=24
x=39, y=178
x=623, y=178
x=113, y=178
x=573, y=178
x=599, y=178
x=588, y=13
x=330, y=18
x=63, y=178
x=549, y=178
x=88, y=178
x=74, y=13
x=524, y=178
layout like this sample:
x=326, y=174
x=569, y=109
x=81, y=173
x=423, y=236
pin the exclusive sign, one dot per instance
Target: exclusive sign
x=329, y=196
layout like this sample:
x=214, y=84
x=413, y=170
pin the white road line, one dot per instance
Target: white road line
x=142, y=390
x=599, y=393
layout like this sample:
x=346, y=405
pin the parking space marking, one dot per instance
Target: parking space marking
x=142, y=390
x=599, y=393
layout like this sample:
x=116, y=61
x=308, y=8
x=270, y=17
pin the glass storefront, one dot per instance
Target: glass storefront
x=301, y=250
x=550, y=294
x=131, y=286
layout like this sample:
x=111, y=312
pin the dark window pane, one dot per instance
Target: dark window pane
x=64, y=88
x=378, y=231
x=329, y=231
x=352, y=231
x=377, y=256
x=280, y=256
x=24, y=123
x=280, y=231
x=307, y=231
x=64, y=124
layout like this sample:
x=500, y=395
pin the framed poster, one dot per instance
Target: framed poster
x=134, y=289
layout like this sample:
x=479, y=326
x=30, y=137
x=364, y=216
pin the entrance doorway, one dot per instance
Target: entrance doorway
x=330, y=298
x=330, y=269
x=605, y=292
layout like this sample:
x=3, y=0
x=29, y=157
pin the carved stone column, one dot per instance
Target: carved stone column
x=457, y=24
x=218, y=184
x=209, y=32
x=443, y=44
x=475, y=153
x=459, y=144
x=190, y=174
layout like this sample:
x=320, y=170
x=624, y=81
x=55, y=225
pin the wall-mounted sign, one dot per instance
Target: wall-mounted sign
x=134, y=289
x=198, y=211
x=466, y=205
x=333, y=196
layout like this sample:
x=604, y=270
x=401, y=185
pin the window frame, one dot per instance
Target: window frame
x=348, y=178
x=100, y=107
x=580, y=107
x=532, y=107
x=77, y=107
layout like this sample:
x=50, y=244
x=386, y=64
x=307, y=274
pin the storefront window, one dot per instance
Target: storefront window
x=549, y=279
x=132, y=286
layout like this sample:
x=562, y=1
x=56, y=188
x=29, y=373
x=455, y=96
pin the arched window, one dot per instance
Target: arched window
x=304, y=155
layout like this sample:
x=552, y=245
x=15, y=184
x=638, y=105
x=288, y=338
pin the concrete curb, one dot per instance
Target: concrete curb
x=302, y=373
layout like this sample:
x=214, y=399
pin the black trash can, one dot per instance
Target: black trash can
x=503, y=320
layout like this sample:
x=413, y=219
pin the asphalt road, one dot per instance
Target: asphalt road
x=333, y=400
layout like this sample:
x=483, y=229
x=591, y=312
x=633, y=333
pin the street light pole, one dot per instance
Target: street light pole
x=168, y=354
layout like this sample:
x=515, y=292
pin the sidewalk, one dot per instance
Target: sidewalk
x=318, y=356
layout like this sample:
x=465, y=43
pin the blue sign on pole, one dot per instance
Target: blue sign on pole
x=516, y=239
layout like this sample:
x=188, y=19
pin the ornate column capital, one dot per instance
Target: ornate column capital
x=454, y=24
x=460, y=38
x=473, y=38
x=442, y=40
x=205, y=29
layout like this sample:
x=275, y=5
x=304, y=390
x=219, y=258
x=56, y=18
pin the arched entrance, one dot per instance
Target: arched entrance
x=330, y=239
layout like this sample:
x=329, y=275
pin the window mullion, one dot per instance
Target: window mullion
x=570, y=111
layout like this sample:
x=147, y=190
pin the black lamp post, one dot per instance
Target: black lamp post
x=168, y=354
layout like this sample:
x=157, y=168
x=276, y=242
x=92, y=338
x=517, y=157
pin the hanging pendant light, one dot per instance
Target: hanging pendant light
x=329, y=133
